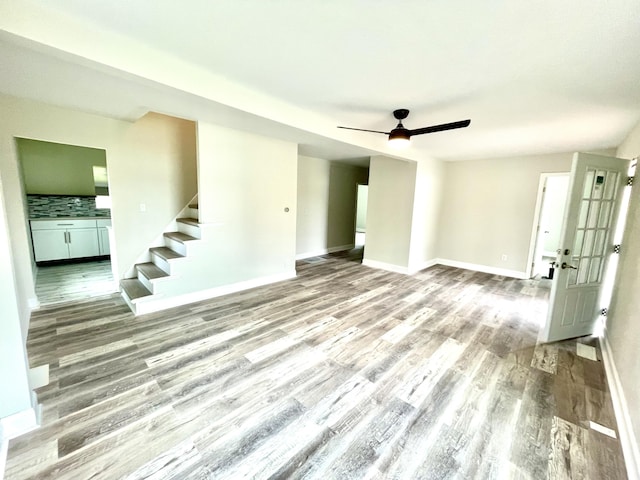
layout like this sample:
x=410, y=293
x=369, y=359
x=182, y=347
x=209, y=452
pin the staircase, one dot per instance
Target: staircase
x=158, y=278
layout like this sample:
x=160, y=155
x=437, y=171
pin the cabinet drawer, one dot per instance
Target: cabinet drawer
x=103, y=222
x=61, y=224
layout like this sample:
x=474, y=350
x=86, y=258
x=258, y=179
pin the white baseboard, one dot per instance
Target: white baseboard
x=33, y=303
x=397, y=268
x=625, y=427
x=155, y=305
x=483, y=268
x=324, y=251
x=13, y=426
x=385, y=266
x=423, y=265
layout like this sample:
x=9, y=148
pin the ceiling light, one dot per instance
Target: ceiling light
x=399, y=138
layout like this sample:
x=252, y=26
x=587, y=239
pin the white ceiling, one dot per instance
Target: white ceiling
x=534, y=77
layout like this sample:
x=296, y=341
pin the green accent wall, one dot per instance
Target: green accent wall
x=58, y=169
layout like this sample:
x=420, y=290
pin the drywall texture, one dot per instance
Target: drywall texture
x=488, y=208
x=623, y=327
x=58, y=169
x=390, y=211
x=247, y=190
x=14, y=386
x=326, y=204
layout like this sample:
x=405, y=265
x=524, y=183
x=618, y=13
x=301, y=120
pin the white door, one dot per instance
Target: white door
x=595, y=193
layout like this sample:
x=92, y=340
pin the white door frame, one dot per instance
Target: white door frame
x=536, y=218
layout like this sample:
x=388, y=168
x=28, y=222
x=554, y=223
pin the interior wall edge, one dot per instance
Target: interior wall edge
x=623, y=419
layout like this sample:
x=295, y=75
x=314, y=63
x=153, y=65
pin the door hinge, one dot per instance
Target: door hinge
x=616, y=248
x=630, y=181
x=604, y=312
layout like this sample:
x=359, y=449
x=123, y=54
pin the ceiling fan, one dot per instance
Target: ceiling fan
x=400, y=136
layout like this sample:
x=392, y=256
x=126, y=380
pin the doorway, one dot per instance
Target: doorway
x=362, y=196
x=552, y=198
x=69, y=219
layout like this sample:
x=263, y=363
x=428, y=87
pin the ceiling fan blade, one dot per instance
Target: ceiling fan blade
x=363, y=130
x=440, y=128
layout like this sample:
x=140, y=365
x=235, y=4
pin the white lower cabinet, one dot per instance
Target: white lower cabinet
x=103, y=236
x=65, y=239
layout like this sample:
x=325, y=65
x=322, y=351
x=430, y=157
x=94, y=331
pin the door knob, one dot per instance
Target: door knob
x=566, y=265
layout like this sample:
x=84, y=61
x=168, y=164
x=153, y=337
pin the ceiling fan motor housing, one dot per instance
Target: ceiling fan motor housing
x=401, y=113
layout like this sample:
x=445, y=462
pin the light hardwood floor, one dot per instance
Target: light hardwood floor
x=345, y=372
x=74, y=281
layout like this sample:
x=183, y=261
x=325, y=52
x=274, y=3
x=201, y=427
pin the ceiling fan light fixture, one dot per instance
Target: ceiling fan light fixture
x=399, y=138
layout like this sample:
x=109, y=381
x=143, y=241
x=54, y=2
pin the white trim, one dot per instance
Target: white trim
x=11, y=427
x=483, y=268
x=15, y=425
x=154, y=304
x=324, y=251
x=33, y=303
x=621, y=409
x=536, y=218
x=423, y=265
x=385, y=266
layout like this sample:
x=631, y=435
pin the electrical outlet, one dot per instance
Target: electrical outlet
x=504, y=258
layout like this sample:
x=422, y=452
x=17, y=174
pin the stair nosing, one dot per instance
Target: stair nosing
x=179, y=240
x=188, y=221
x=133, y=298
x=157, y=251
x=140, y=267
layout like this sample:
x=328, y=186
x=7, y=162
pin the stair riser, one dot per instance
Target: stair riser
x=127, y=300
x=176, y=246
x=193, y=212
x=161, y=263
x=192, y=230
x=146, y=282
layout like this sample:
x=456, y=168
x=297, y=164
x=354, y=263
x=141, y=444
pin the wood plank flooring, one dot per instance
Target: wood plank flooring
x=345, y=372
x=74, y=281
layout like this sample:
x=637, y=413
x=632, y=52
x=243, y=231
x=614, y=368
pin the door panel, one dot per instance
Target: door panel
x=593, y=202
x=83, y=242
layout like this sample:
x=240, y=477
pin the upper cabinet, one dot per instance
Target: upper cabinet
x=58, y=169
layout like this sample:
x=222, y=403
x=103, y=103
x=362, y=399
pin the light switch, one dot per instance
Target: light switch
x=143, y=207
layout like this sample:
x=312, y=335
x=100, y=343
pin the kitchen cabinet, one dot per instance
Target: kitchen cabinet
x=103, y=236
x=61, y=239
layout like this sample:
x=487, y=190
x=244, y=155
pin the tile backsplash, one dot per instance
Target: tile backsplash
x=53, y=206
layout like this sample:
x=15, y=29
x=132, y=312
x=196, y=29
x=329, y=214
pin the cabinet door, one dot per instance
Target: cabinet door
x=83, y=242
x=103, y=239
x=49, y=245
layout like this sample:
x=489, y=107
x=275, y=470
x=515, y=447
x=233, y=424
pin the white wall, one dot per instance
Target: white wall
x=143, y=159
x=488, y=208
x=152, y=162
x=427, y=204
x=245, y=183
x=552, y=213
x=326, y=205
x=623, y=321
x=14, y=386
x=392, y=186
x=361, y=207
